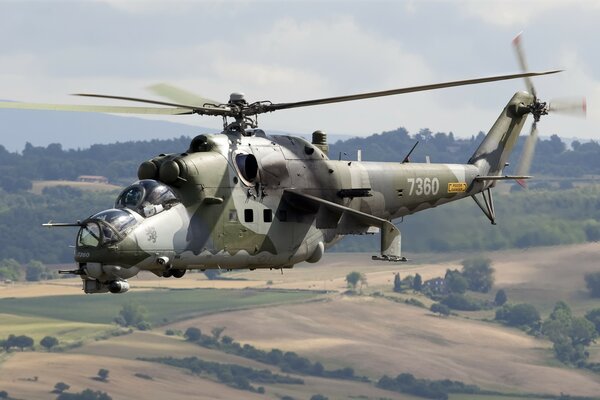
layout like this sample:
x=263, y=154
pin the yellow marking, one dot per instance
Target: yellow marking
x=457, y=187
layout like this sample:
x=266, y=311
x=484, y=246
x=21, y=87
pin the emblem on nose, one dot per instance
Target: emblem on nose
x=151, y=234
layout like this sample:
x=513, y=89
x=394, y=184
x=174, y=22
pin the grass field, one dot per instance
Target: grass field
x=38, y=327
x=161, y=305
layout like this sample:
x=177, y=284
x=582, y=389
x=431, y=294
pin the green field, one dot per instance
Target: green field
x=37, y=328
x=162, y=306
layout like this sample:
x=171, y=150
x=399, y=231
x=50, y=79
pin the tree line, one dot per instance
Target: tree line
x=119, y=161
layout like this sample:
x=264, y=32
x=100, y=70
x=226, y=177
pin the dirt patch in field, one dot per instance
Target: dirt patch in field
x=378, y=337
x=19, y=374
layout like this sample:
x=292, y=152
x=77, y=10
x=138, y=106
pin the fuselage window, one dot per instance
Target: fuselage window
x=267, y=215
x=248, y=215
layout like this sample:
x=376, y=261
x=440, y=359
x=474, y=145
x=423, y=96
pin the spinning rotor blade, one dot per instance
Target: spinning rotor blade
x=569, y=106
x=527, y=155
x=360, y=96
x=101, y=109
x=181, y=96
x=523, y=64
x=192, y=109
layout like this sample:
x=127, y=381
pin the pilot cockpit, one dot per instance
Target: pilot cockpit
x=146, y=197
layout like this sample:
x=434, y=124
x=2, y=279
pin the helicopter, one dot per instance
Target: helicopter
x=243, y=198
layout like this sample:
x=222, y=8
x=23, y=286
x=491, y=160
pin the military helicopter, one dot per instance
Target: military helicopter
x=243, y=198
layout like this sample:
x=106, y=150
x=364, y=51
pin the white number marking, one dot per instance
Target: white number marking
x=424, y=186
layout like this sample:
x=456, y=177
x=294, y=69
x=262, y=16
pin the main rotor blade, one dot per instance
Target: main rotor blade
x=527, y=155
x=569, y=106
x=195, y=109
x=100, y=109
x=360, y=96
x=523, y=64
x=178, y=95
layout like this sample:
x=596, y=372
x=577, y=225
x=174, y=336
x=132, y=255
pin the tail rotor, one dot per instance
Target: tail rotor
x=567, y=106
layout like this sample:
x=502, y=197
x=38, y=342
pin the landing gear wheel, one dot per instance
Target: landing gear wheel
x=167, y=274
x=178, y=273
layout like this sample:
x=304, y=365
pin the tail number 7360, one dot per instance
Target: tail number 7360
x=424, y=186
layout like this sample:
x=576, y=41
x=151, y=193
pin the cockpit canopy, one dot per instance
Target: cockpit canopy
x=146, y=197
x=105, y=227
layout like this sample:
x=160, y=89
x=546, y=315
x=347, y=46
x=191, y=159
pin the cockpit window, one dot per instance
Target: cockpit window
x=105, y=227
x=120, y=220
x=146, y=197
x=89, y=235
x=132, y=197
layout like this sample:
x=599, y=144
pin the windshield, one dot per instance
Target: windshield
x=89, y=235
x=105, y=227
x=120, y=220
x=146, y=197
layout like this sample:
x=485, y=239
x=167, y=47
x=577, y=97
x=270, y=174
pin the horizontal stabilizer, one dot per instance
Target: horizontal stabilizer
x=502, y=178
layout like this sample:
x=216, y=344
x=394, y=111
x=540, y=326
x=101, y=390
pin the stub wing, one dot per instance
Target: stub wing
x=347, y=221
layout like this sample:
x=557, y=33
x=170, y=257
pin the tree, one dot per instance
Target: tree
x=455, y=282
x=216, y=331
x=594, y=317
x=417, y=282
x=519, y=315
x=569, y=334
x=192, y=334
x=10, y=269
x=319, y=397
x=461, y=302
x=397, y=283
x=500, y=298
x=354, y=277
x=49, y=342
x=60, y=387
x=132, y=314
x=441, y=309
x=20, y=341
x=592, y=281
x=582, y=332
x=103, y=374
x=479, y=274
x=34, y=271
x=87, y=394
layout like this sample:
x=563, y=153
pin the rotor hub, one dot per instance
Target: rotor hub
x=538, y=108
x=237, y=98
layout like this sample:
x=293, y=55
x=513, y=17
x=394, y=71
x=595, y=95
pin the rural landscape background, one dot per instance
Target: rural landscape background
x=517, y=316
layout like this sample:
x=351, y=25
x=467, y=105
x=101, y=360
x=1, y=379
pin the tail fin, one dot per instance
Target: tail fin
x=492, y=154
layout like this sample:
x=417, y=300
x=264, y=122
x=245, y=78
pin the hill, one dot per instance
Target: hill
x=372, y=335
x=82, y=130
x=560, y=165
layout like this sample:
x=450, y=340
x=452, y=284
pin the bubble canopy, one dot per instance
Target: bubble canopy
x=105, y=227
x=146, y=197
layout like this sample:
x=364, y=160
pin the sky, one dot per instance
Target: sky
x=286, y=51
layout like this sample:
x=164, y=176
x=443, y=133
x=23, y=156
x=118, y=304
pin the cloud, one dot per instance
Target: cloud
x=519, y=13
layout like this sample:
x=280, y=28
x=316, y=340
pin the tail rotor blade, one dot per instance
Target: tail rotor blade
x=523, y=64
x=527, y=155
x=569, y=106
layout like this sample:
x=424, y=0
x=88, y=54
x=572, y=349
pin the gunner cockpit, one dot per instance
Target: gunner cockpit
x=146, y=197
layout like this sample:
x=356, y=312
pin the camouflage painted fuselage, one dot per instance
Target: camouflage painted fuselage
x=250, y=200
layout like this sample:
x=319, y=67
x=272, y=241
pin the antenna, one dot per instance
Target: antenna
x=406, y=159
